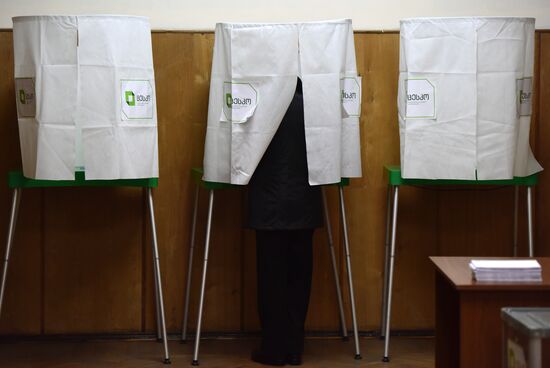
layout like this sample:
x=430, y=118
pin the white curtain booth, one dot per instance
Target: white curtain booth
x=85, y=91
x=254, y=74
x=465, y=88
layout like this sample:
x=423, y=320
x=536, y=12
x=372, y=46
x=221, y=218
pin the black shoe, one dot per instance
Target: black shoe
x=260, y=357
x=294, y=359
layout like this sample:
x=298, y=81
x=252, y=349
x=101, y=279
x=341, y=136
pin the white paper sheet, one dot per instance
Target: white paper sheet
x=505, y=264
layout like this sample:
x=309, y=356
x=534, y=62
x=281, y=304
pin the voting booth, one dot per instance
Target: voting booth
x=85, y=92
x=254, y=71
x=464, y=110
x=464, y=100
x=85, y=96
x=254, y=76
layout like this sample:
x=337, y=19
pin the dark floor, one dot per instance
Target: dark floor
x=320, y=352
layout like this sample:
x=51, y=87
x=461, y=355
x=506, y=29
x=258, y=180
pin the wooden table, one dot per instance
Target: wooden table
x=468, y=324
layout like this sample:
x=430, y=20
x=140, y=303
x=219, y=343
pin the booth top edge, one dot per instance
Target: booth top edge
x=472, y=18
x=533, y=322
x=244, y=25
x=23, y=18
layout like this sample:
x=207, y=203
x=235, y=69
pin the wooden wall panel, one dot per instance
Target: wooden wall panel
x=471, y=220
x=543, y=148
x=82, y=258
x=377, y=59
x=22, y=312
x=249, y=316
x=175, y=68
x=413, y=302
x=182, y=70
x=523, y=242
x=92, y=260
x=323, y=312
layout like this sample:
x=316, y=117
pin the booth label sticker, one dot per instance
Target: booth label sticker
x=239, y=101
x=137, y=99
x=26, y=97
x=420, y=99
x=525, y=92
x=350, y=92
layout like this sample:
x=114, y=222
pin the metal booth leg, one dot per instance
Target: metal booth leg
x=350, y=279
x=386, y=261
x=13, y=220
x=203, y=282
x=190, y=268
x=157, y=304
x=530, y=221
x=158, y=282
x=516, y=202
x=386, y=357
x=334, y=268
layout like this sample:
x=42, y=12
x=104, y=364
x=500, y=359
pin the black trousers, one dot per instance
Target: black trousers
x=284, y=267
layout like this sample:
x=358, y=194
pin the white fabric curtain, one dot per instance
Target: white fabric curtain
x=85, y=91
x=465, y=97
x=254, y=73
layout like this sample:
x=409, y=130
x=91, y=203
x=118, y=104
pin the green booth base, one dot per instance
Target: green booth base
x=197, y=174
x=16, y=179
x=395, y=179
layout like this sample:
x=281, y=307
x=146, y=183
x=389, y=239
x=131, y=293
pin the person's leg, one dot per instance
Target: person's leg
x=272, y=283
x=299, y=287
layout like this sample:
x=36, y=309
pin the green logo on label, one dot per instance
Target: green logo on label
x=228, y=100
x=22, y=97
x=130, y=98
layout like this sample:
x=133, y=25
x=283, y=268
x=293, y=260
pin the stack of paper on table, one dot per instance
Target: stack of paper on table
x=506, y=270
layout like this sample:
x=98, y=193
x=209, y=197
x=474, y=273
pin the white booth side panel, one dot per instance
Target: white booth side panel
x=91, y=80
x=461, y=81
x=254, y=73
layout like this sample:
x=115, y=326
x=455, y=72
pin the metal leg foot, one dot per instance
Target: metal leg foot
x=350, y=279
x=189, y=269
x=328, y=227
x=158, y=280
x=390, y=275
x=203, y=281
x=9, y=242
